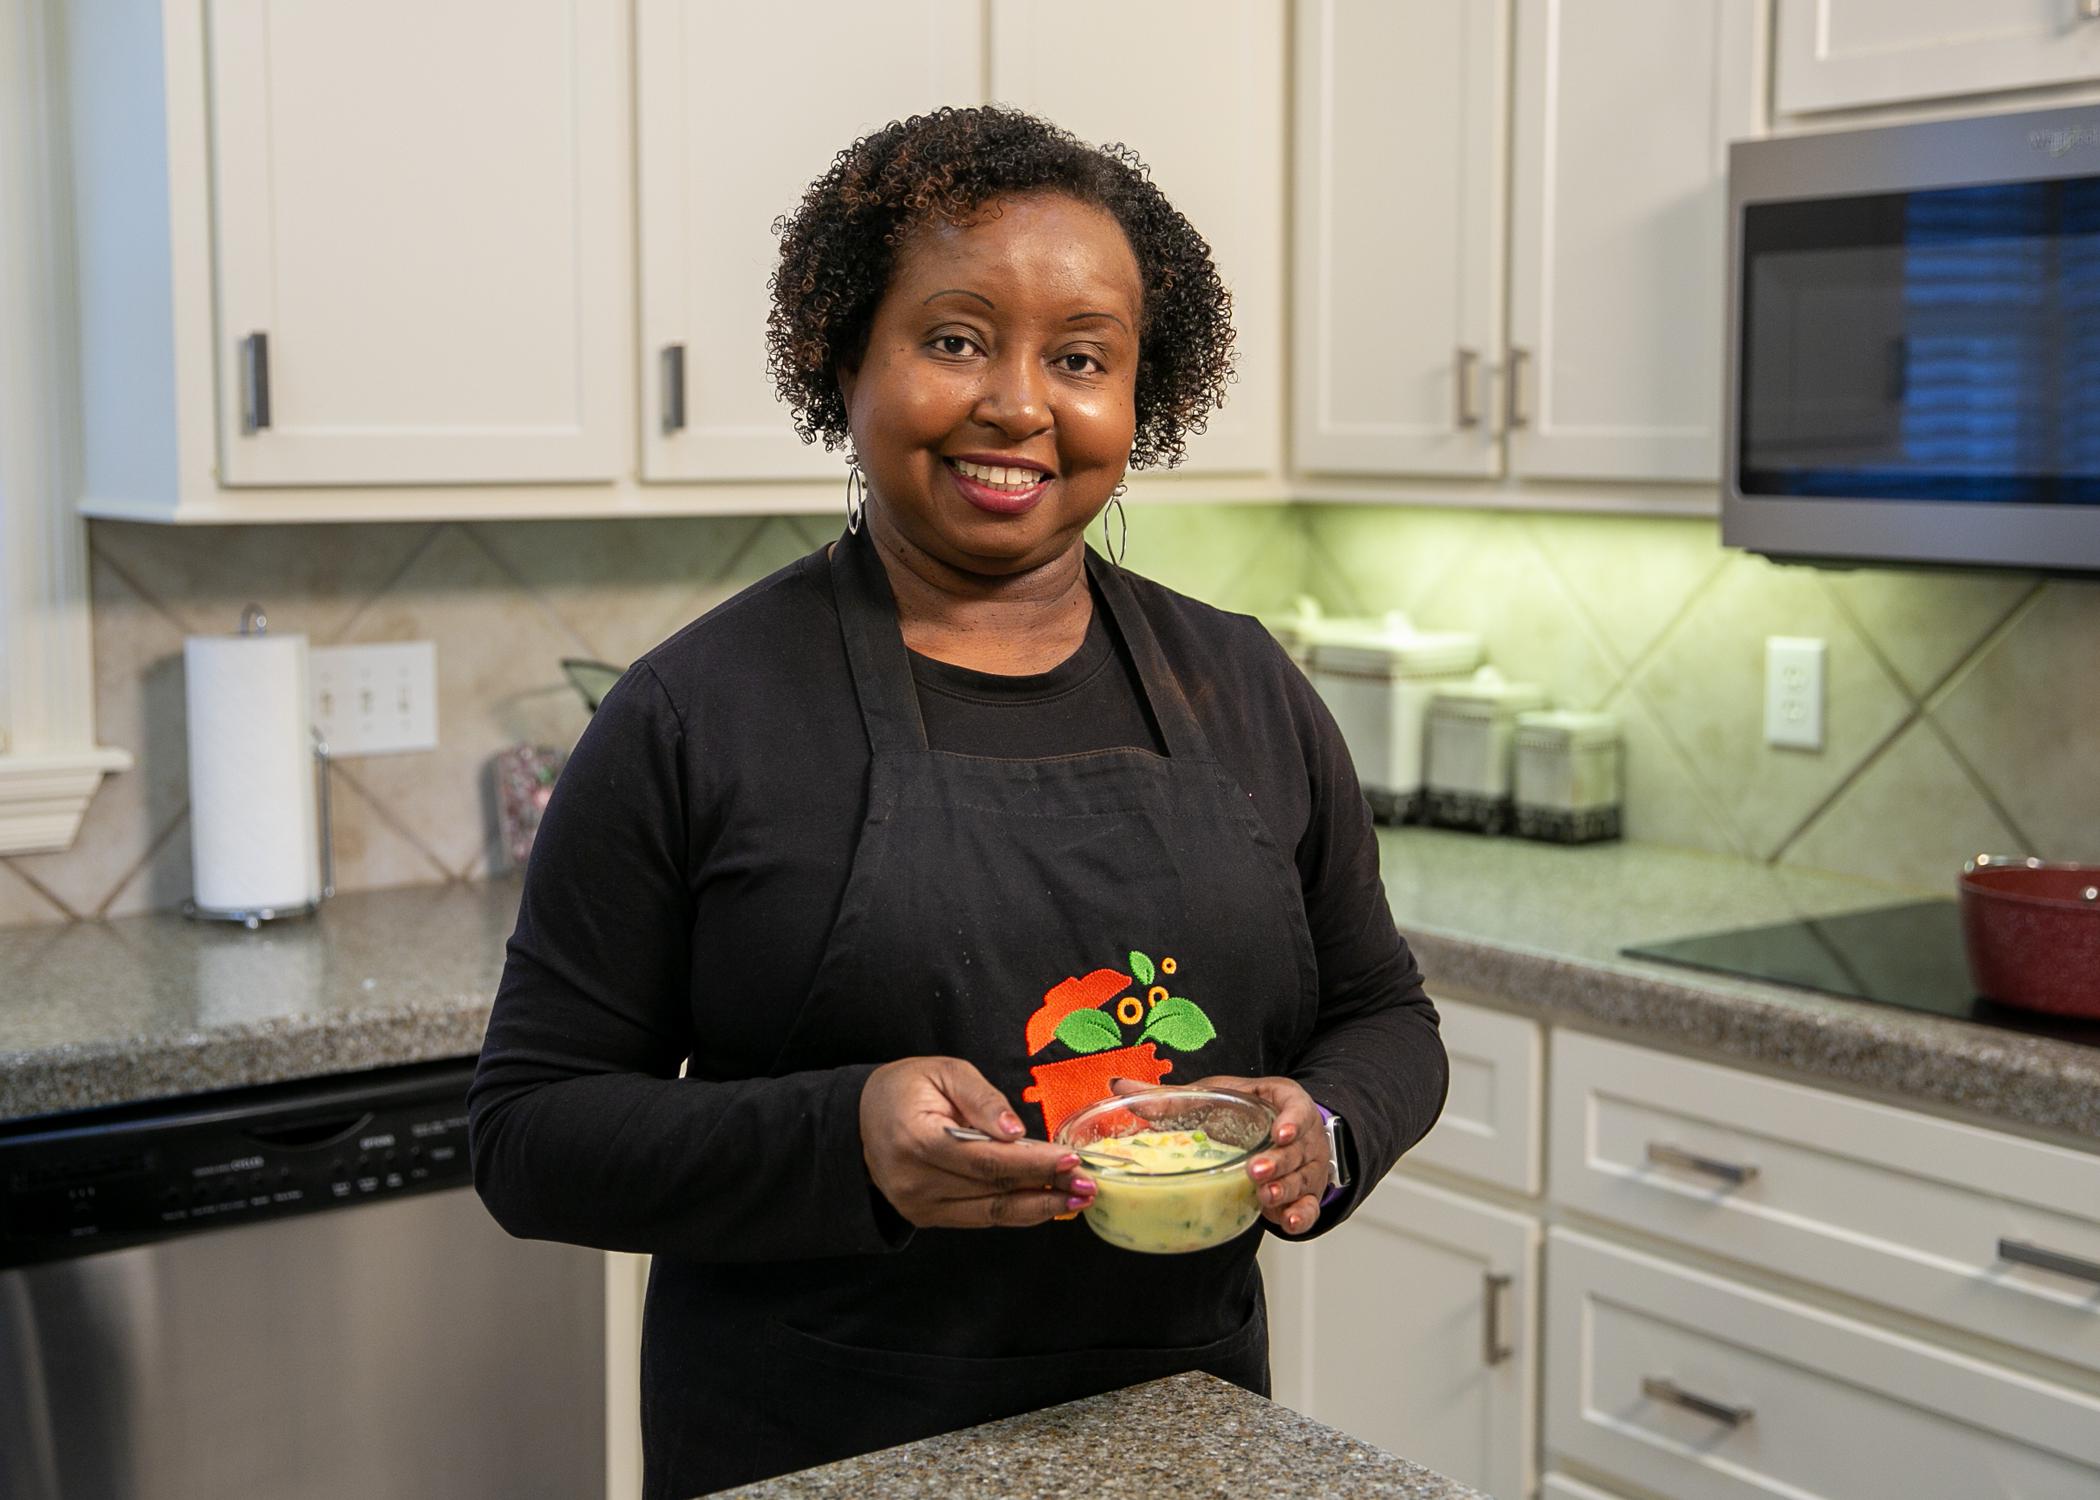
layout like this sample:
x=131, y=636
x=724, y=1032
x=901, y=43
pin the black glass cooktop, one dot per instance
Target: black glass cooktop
x=1909, y=956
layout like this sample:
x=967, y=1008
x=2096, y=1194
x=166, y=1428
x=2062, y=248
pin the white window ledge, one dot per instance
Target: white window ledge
x=44, y=797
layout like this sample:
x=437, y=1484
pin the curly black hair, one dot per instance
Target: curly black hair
x=838, y=247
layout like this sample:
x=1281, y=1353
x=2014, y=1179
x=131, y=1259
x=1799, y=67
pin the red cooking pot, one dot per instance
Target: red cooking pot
x=2032, y=933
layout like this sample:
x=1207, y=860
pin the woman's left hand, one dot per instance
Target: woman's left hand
x=1290, y=1177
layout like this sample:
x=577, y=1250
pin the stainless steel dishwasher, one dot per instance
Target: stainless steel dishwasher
x=290, y=1293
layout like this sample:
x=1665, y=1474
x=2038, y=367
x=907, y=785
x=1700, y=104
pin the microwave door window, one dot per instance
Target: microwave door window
x=1940, y=345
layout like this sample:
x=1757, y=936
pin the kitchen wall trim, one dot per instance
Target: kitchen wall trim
x=50, y=765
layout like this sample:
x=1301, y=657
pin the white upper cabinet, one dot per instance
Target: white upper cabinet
x=1400, y=179
x=419, y=236
x=1624, y=111
x=739, y=108
x=1838, y=54
x=1196, y=88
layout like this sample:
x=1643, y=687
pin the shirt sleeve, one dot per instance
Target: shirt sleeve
x=580, y=1127
x=1375, y=1057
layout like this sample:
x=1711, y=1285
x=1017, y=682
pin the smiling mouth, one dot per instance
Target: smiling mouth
x=1006, y=479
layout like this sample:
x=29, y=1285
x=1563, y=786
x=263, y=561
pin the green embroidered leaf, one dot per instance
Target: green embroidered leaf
x=1088, y=1031
x=1179, y=1024
x=1140, y=968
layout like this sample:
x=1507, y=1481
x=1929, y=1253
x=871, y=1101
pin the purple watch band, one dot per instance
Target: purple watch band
x=1334, y=1189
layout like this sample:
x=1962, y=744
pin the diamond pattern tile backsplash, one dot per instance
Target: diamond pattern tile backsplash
x=1964, y=708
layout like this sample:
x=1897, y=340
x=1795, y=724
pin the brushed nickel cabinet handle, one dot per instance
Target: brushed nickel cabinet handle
x=674, y=387
x=1735, y=1173
x=1465, y=365
x=1492, y=1350
x=1669, y=1390
x=255, y=382
x=2021, y=1253
x=1513, y=413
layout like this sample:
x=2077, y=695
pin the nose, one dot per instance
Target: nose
x=1015, y=398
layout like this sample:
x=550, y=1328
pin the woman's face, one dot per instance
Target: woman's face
x=994, y=409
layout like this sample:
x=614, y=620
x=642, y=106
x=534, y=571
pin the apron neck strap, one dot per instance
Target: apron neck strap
x=1170, y=706
x=881, y=664
x=875, y=651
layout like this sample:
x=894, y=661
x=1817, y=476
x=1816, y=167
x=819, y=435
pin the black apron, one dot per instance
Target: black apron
x=990, y=901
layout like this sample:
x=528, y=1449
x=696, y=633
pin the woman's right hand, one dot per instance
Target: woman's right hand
x=936, y=1181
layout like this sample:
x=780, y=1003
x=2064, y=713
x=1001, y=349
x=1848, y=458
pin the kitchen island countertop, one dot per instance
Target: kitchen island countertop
x=110, y=1012
x=1192, y=1436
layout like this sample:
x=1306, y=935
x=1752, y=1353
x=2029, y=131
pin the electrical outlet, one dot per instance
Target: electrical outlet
x=1794, y=692
x=375, y=700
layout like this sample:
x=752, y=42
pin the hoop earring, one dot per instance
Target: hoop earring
x=856, y=496
x=1121, y=549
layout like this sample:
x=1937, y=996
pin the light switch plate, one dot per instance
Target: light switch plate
x=1794, y=692
x=375, y=700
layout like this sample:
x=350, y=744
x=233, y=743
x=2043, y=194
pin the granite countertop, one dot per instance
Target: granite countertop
x=151, y=1006
x=142, y=1007
x=1192, y=1436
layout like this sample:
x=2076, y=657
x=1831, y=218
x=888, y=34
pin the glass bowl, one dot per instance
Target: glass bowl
x=1170, y=1166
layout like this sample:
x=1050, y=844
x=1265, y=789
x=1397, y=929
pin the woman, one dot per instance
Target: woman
x=853, y=845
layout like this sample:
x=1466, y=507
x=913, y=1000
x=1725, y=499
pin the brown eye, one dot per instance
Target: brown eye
x=953, y=344
x=1079, y=364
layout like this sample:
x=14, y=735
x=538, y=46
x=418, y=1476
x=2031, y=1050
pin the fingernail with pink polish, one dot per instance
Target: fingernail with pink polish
x=1067, y=1162
x=1011, y=1123
x=1083, y=1185
x=1079, y=1200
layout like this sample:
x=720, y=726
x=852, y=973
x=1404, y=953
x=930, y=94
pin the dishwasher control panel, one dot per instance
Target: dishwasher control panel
x=75, y=1184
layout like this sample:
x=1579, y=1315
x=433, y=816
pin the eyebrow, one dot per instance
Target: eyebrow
x=1082, y=317
x=963, y=291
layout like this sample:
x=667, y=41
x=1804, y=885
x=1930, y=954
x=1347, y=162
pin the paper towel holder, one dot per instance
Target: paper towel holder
x=255, y=622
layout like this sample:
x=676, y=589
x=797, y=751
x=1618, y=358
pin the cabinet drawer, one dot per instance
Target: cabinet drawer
x=1898, y=1208
x=1704, y=1389
x=1490, y=1125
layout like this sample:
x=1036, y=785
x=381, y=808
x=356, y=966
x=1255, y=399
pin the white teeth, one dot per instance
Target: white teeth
x=999, y=476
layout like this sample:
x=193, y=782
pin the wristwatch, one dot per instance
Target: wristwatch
x=1337, y=1153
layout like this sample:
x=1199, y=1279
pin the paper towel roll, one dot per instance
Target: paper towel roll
x=254, y=837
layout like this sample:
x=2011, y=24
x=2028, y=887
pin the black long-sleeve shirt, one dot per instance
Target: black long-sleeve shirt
x=657, y=927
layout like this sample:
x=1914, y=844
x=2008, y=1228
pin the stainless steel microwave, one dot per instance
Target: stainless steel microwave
x=1914, y=343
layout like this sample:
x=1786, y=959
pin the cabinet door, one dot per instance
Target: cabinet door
x=1413, y=1327
x=420, y=231
x=1834, y=54
x=739, y=108
x=1196, y=88
x=1399, y=233
x=1491, y=1121
x=1624, y=111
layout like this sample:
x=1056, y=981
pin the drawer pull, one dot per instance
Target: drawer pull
x=1734, y=1173
x=2024, y=1254
x=1668, y=1390
x=1492, y=1350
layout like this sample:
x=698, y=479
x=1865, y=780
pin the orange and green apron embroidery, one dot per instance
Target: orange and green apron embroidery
x=1091, y=1016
